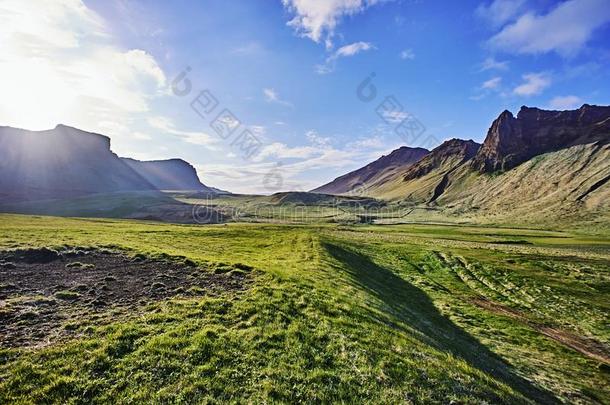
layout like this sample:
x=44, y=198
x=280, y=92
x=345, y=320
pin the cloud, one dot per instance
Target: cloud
x=394, y=117
x=316, y=139
x=345, y=51
x=565, y=29
x=534, y=83
x=492, y=83
x=166, y=125
x=493, y=64
x=407, y=54
x=318, y=20
x=60, y=65
x=353, y=49
x=499, y=12
x=565, y=103
x=283, y=151
x=294, y=164
x=271, y=96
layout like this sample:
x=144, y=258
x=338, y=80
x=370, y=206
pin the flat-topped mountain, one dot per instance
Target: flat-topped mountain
x=171, y=174
x=67, y=162
x=373, y=172
x=511, y=141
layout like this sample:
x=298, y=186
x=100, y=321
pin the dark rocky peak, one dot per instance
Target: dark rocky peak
x=400, y=156
x=511, y=141
x=452, y=152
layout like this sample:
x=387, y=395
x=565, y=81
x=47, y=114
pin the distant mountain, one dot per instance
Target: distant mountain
x=377, y=171
x=66, y=162
x=171, y=174
x=448, y=155
x=540, y=167
x=424, y=180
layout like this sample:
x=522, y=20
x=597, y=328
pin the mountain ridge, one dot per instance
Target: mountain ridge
x=68, y=162
x=541, y=166
x=374, y=171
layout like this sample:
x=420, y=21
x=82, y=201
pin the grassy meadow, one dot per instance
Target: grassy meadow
x=334, y=313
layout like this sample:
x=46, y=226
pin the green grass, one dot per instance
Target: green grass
x=335, y=314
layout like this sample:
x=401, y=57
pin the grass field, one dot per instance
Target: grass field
x=334, y=313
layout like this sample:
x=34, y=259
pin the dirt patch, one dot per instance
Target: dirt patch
x=589, y=347
x=46, y=295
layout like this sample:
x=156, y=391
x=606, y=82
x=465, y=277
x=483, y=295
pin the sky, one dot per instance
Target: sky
x=270, y=95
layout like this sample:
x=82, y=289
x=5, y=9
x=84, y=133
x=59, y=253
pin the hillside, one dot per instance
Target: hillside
x=377, y=171
x=538, y=168
x=66, y=162
x=511, y=141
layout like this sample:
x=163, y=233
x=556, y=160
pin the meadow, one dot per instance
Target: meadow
x=409, y=313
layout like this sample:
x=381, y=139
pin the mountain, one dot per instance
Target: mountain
x=66, y=162
x=377, y=171
x=511, y=141
x=171, y=174
x=542, y=167
x=425, y=180
x=449, y=154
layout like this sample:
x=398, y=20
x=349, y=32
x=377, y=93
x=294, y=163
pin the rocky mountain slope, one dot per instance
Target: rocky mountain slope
x=171, y=174
x=539, y=167
x=511, y=141
x=375, y=172
x=66, y=162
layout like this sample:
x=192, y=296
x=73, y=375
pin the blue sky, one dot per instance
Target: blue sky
x=289, y=72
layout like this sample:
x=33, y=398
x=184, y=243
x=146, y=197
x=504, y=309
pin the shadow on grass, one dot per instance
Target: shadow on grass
x=412, y=307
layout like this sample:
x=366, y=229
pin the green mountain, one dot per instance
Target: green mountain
x=538, y=168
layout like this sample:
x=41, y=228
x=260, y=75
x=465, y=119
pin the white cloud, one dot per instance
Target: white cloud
x=353, y=49
x=493, y=64
x=166, y=125
x=492, y=83
x=407, y=54
x=565, y=103
x=258, y=130
x=394, y=117
x=282, y=151
x=142, y=136
x=565, y=29
x=60, y=65
x=534, y=83
x=499, y=12
x=318, y=20
x=345, y=51
x=316, y=139
x=271, y=96
x=294, y=164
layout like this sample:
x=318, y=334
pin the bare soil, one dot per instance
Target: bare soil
x=47, y=295
x=587, y=346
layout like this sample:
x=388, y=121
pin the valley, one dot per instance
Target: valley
x=402, y=313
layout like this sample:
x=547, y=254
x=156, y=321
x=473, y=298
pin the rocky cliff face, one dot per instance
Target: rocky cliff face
x=67, y=162
x=373, y=172
x=450, y=153
x=511, y=141
x=172, y=174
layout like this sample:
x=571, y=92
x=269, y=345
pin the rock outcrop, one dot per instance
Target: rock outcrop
x=171, y=174
x=67, y=162
x=511, y=141
x=450, y=153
